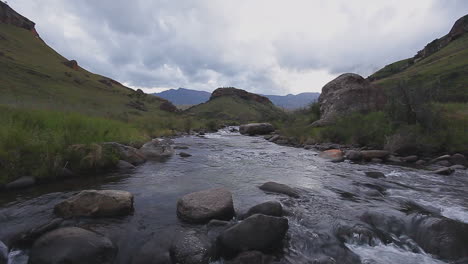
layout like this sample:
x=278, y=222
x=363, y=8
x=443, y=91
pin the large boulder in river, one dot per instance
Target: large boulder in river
x=374, y=154
x=192, y=248
x=348, y=93
x=271, y=208
x=256, y=129
x=258, y=232
x=126, y=153
x=275, y=187
x=156, y=149
x=72, y=245
x=202, y=206
x=335, y=155
x=96, y=203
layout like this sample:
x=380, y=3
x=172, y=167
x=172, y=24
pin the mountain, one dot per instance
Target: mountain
x=184, y=96
x=33, y=75
x=236, y=105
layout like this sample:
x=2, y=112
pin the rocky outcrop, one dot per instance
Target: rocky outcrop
x=231, y=91
x=156, y=149
x=258, y=232
x=11, y=17
x=346, y=94
x=72, y=64
x=275, y=187
x=96, y=203
x=203, y=206
x=256, y=129
x=72, y=245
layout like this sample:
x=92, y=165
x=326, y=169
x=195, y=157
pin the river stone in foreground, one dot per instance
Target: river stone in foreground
x=258, y=232
x=96, y=203
x=201, y=207
x=72, y=245
x=279, y=188
x=271, y=208
x=256, y=129
x=156, y=149
x=191, y=248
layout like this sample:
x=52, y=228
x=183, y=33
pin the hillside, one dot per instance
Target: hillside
x=236, y=105
x=33, y=75
x=293, y=101
x=440, y=69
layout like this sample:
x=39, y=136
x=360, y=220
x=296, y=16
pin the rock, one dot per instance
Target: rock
x=458, y=159
x=268, y=137
x=3, y=253
x=156, y=149
x=191, y=248
x=346, y=94
x=123, y=165
x=444, y=171
x=26, y=239
x=376, y=160
x=443, y=157
x=258, y=232
x=181, y=147
x=374, y=154
x=412, y=158
x=353, y=155
x=184, y=154
x=443, y=163
x=72, y=245
x=156, y=250
x=279, y=188
x=202, y=206
x=458, y=167
x=332, y=154
x=308, y=147
x=251, y=257
x=271, y=208
x=23, y=182
x=375, y=174
x=420, y=162
x=92, y=158
x=274, y=138
x=256, y=129
x=127, y=153
x=393, y=159
x=96, y=204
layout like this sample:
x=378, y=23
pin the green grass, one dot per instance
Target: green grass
x=236, y=110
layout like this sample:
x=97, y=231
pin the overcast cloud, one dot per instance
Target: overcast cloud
x=264, y=46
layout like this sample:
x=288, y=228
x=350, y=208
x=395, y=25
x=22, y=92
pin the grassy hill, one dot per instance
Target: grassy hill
x=239, y=106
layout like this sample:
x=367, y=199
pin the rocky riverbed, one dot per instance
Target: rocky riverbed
x=218, y=203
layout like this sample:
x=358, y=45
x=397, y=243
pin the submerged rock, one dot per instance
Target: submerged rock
x=271, y=208
x=156, y=149
x=279, y=188
x=375, y=174
x=184, y=154
x=96, y=203
x=21, y=183
x=202, y=206
x=191, y=248
x=72, y=245
x=258, y=232
x=256, y=129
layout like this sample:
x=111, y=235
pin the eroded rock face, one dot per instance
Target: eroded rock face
x=346, y=94
x=256, y=129
x=96, y=203
x=72, y=245
x=203, y=206
x=11, y=17
x=258, y=232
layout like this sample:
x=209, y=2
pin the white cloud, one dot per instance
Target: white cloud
x=264, y=46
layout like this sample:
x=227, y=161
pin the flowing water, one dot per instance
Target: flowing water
x=330, y=220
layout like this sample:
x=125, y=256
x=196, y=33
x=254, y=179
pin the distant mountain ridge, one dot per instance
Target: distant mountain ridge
x=183, y=96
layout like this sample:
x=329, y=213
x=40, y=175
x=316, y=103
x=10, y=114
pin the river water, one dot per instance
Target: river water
x=328, y=221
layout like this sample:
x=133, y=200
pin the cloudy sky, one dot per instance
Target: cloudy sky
x=264, y=46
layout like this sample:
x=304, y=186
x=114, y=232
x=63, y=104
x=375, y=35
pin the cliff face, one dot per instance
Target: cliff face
x=346, y=94
x=11, y=17
x=231, y=91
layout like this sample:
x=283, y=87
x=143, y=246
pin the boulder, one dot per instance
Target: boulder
x=376, y=160
x=443, y=163
x=458, y=167
x=21, y=183
x=256, y=129
x=181, y=147
x=353, y=155
x=96, y=204
x=393, y=159
x=251, y=257
x=123, y=165
x=420, y=162
x=184, y=154
x=443, y=157
x=202, y=206
x=157, y=149
x=271, y=208
x=458, y=159
x=126, y=153
x=26, y=239
x=3, y=253
x=72, y=245
x=346, y=94
x=274, y=138
x=375, y=174
x=279, y=188
x=258, y=232
x=332, y=155
x=191, y=248
x=444, y=171
x=412, y=158
x=375, y=154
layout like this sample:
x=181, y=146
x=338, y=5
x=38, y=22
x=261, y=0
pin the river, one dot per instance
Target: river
x=336, y=199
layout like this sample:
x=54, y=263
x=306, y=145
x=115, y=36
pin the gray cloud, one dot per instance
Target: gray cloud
x=270, y=47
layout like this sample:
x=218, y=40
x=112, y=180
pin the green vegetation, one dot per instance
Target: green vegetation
x=235, y=110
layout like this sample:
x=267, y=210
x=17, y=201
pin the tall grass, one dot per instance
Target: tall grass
x=33, y=142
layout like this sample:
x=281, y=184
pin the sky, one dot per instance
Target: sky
x=263, y=46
